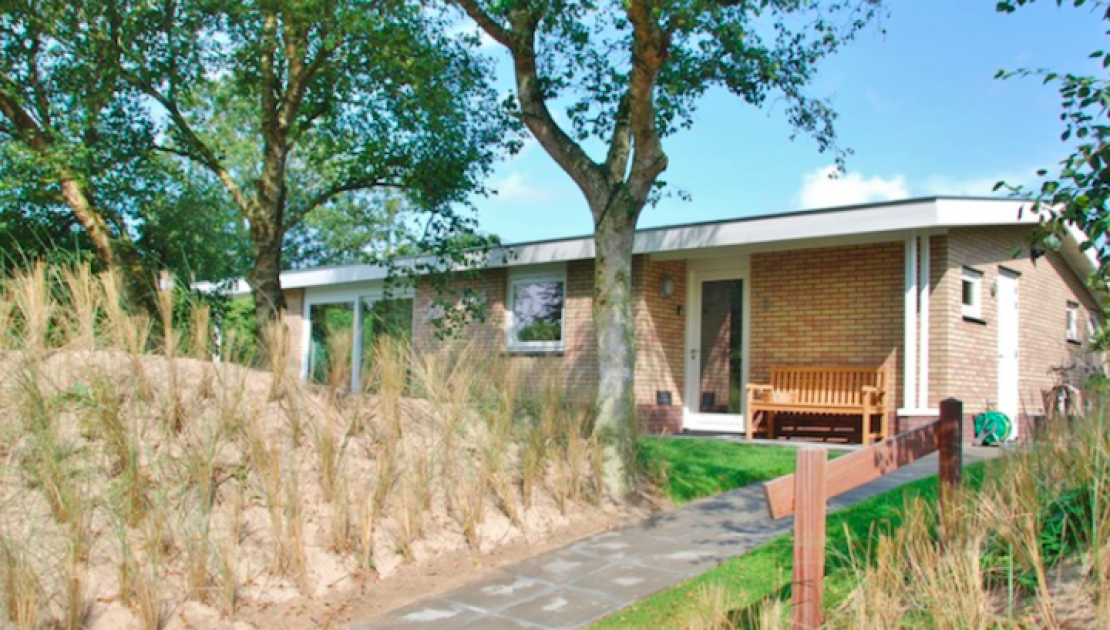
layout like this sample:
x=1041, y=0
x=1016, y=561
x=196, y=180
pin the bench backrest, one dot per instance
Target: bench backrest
x=832, y=386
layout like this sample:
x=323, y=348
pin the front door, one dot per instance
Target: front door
x=716, y=364
x=1008, y=347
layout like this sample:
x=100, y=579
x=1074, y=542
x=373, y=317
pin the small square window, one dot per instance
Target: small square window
x=972, y=300
x=535, y=312
x=1073, y=321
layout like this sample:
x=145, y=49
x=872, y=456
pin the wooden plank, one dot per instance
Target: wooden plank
x=856, y=469
x=809, y=538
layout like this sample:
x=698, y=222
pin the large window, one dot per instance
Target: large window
x=972, y=294
x=381, y=320
x=535, y=311
x=329, y=351
x=343, y=337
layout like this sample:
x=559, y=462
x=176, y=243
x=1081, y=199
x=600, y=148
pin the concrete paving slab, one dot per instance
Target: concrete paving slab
x=568, y=607
x=629, y=582
x=499, y=591
x=497, y=622
x=435, y=613
x=560, y=566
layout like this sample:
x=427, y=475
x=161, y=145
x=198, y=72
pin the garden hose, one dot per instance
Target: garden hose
x=992, y=427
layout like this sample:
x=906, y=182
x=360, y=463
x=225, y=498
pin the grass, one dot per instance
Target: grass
x=742, y=585
x=126, y=451
x=688, y=469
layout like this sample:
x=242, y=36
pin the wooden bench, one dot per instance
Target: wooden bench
x=821, y=390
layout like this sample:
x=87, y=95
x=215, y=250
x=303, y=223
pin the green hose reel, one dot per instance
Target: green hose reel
x=992, y=427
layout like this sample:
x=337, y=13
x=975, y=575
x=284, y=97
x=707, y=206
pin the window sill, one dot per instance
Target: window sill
x=975, y=320
x=1075, y=342
x=534, y=352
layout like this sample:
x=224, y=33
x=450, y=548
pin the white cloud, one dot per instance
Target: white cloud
x=821, y=189
x=973, y=186
x=519, y=188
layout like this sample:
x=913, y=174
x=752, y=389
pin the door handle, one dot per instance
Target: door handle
x=693, y=354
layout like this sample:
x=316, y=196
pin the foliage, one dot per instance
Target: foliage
x=73, y=138
x=1076, y=194
x=349, y=97
x=361, y=228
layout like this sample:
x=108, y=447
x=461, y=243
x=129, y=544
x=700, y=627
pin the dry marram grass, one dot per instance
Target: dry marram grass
x=140, y=476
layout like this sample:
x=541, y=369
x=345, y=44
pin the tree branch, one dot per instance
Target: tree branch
x=486, y=22
x=649, y=52
x=202, y=153
x=535, y=114
x=325, y=196
x=616, y=162
x=24, y=122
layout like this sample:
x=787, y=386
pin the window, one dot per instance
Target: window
x=1092, y=329
x=972, y=294
x=1073, y=321
x=535, y=310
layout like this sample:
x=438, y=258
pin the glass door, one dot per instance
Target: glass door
x=716, y=361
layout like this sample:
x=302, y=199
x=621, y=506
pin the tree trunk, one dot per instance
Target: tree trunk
x=117, y=253
x=265, y=274
x=614, y=234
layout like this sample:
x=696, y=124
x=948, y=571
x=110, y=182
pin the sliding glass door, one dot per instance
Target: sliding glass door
x=342, y=330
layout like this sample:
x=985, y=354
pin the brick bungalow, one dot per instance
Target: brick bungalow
x=930, y=288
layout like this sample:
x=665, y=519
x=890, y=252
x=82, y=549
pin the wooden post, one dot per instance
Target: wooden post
x=950, y=441
x=950, y=445
x=809, y=537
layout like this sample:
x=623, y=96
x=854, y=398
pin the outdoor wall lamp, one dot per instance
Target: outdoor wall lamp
x=666, y=286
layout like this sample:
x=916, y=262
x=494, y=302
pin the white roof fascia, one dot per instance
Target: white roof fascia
x=923, y=214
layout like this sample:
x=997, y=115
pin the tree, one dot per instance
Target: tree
x=293, y=105
x=1078, y=194
x=363, y=228
x=630, y=73
x=71, y=135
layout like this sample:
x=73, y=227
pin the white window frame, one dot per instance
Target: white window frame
x=975, y=278
x=1073, y=321
x=353, y=296
x=539, y=273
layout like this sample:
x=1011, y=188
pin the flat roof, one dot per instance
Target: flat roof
x=925, y=213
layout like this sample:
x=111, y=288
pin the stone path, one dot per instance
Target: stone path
x=600, y=575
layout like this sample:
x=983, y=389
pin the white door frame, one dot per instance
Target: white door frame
x=1008, y=373
x=699, y=272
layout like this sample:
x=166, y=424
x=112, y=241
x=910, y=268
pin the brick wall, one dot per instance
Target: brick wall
x=829, y=306
x=661, y=342
x=1044, y=289
x=577, y=364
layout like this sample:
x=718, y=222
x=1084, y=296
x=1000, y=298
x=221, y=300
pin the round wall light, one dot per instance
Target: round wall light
x=666, y=286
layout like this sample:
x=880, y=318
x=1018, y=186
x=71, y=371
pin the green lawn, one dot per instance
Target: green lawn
x=691, y=468
x=765, y=571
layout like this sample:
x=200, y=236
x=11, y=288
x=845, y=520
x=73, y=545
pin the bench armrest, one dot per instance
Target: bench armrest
x=876, y=393
x=758, y=392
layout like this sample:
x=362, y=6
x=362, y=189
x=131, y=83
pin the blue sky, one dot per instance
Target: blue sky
x=918, y=105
